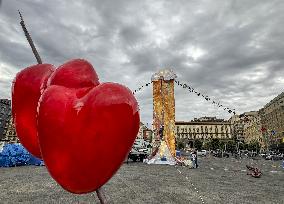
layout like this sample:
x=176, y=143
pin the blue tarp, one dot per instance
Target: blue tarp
x=17, y=155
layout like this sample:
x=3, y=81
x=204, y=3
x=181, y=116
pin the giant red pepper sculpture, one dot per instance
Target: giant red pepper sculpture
x=27, y=88
x=83, y=129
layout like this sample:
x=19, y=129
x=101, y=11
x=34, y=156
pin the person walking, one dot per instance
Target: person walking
x=196, y=164
x=194, y=159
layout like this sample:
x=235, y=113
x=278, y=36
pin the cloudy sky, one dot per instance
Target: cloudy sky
x=232, y=51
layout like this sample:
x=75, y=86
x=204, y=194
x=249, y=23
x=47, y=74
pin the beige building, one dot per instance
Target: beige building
x=7, y=129
x=204, y=128
x=237, y=128
x=253, y=128
x=272, y=119
x=9, y=134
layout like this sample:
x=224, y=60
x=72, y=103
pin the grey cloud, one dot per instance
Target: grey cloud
x=127, y=41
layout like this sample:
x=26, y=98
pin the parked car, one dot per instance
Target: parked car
x=202, y=153
x=263, y=154
x=220, y=154
x=226, y=154
x=277, y=157
x=274, y=156
x=140, y=150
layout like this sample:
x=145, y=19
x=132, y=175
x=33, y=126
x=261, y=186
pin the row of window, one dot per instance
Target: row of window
x=10, y=132
x=274, y=120
x=202, y=134
x=206, y=130
x=221, y=136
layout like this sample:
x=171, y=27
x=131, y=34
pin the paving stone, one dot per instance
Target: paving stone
x=142, y=183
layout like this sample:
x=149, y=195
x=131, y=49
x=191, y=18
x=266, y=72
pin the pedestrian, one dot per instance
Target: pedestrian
x=194, y=159
x=127, y=158
x=196, y=164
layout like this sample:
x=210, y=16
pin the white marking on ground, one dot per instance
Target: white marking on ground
x=192, y=185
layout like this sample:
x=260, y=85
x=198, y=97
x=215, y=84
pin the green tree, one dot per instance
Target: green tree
x=257, y=146
x=250, y=146
x=254, y=146
x=198, y=144
x=222, y=145
x=231, y=145
x=207, y=145
x=241, y=146
x=180, y=145
x=215, y=143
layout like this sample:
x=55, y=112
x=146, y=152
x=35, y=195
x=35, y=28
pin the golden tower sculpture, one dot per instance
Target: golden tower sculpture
x=164, y=108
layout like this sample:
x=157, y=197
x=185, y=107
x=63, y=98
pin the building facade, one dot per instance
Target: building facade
x=145, y=133
x=272, y=119
x=253, y=129
x=237, y=128
x=7, y=129
x=5, y=114
x=204, y=129
x=9, y=134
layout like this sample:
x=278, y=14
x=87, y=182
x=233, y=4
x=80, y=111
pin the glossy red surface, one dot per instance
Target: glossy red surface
x=85, y=129
x=26, y=91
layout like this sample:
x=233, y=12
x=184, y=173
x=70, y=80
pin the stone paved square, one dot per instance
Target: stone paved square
x=216, y=181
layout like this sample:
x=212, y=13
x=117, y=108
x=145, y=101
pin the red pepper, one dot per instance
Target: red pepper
x=81, y=124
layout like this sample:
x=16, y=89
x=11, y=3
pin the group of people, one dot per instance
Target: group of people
x=190, y=161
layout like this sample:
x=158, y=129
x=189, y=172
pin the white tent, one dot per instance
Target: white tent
x=163, y=156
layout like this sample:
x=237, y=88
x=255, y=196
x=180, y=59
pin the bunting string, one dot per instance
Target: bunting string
x=207, y=98
x=140, y=88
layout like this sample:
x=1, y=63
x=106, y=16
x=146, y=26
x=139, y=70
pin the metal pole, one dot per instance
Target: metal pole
x=101, y=196
x=39, y=61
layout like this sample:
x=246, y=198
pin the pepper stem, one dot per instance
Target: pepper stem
x=30, y=39
x=101, y=196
